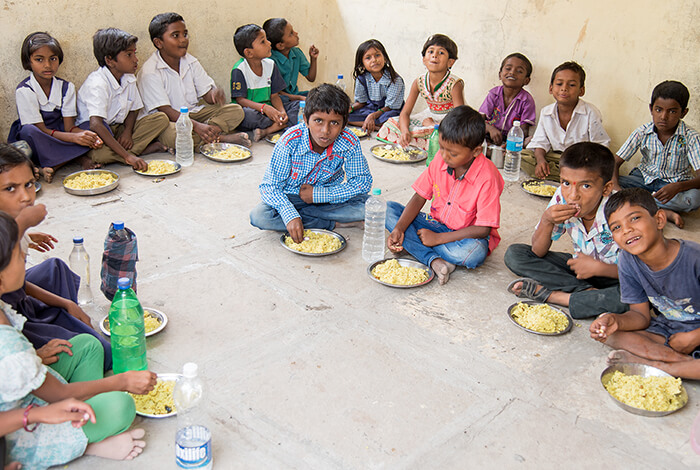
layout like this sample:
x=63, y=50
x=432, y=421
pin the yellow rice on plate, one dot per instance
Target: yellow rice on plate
x=231, y=153
x=357, y=131
x=392, y=272
x=159, y=167
x=158, y=401
x=274, y=138
x=540, y=188
x=390, y=152
x=540, y=318
x=647, y=393
x=316, y=243
x=150, y=321
x=90, y=181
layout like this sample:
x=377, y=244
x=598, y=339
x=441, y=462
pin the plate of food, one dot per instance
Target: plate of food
x=358, y=131
x=397, y=154
x=400, y=272
x=158, y=403
x=90, y=182
x=154, y=321
x=539, y=188
x=644, y=390
x=317, y=242
x=540, y=319
x=160, y=168
x=225, y=153
x=273, y=138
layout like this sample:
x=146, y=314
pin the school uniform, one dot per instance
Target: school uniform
x=290, y=68
x=377, y=95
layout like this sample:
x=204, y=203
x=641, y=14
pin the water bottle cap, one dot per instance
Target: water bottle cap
x=437, y=126
x=184, y=109
x=124, y=283
x=376, y=192
x=302, y=104
x=77, y=239
x=340, y=76
x=118, y=225
x=189, y=370
x=516, y=123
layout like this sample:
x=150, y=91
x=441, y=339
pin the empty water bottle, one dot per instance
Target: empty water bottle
x=433, y=144
x=79, y=262
x=300, y=116
x=514, y=145
x=184, y=146
x=128, y=334
x=340, y=82
x=375, y=217
x=193, y=438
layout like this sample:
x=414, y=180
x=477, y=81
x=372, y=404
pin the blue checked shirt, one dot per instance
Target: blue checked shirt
x=597, y=243
x=672, y=162
x=337, y=175
x=384, y=88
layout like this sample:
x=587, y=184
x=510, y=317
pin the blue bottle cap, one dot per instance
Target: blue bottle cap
x=340, y=77
x=124, y=283
x=302, y=104
x=184, y=109
x=118, y=225
x=437, y=126
x=77, y=239
x=376, y=192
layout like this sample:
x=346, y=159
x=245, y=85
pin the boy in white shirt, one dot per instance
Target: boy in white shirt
x=568, y=121
x=109, y=100
x=171, y=79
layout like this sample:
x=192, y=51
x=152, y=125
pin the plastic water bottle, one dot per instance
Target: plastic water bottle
x=184, y=146
x=122, y=234
x=341, y=83
x=375, y=217
x=79, y=262
x=300, y=116
x=193, y=438
x=127, y=330
x=514, y=145
x=433, y=144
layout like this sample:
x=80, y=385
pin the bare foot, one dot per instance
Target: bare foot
x=125, y=446
x=358, y=224
x=619, y=355
x=240, y=138
x=674, y=217
x=47, y=173
x=154, y=147
x=86, y=163
x=443, y=269
x=258, y=134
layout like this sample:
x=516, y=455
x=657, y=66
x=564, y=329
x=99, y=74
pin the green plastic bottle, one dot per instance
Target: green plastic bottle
x=433, y=145
x=128, y=334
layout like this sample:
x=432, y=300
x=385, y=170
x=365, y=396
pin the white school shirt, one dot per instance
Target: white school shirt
x=32, y=99
x=586, y=125
x=160, y=85
x=102, y=95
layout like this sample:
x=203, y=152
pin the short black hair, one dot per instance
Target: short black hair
x=159, y=24
x=589, y=156
x=9, y=237
x=36, y=41
x=574, y=67
x=11, y=157
x=442, y=41
x=463, y=126
x=671, y=90
x=244, y=36
x=518, y=55
x=327, y=98
x=274, y=30
x=109, y=42
x=639, y=197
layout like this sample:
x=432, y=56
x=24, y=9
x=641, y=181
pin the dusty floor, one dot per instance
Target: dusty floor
x=310, y=364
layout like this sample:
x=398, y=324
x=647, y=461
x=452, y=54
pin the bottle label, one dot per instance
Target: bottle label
x=193, y=447
x=514, y=145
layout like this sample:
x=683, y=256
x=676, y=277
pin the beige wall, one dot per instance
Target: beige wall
x=625, y=46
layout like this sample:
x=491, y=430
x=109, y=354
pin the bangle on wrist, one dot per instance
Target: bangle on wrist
x=52, y=132
x=72, y=128
x=25, y=420
x=262, y=109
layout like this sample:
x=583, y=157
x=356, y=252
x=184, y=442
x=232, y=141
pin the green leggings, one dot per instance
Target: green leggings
x=115, y=411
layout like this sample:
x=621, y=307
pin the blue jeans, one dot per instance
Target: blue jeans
x=468, y=252
x=322, y=216
x=684, y=201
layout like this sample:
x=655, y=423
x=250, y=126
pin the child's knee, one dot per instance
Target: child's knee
x=260, y=216
x=515, y=254
x=115, y=411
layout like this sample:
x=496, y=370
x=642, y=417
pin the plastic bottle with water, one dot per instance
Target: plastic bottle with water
x=184, y=146
x=373, y=242
x=514, y=145
x=79, y=262
x=128, y=334
x=193, y=438
x=300, y=116
x=433, y=144
x=340, y=82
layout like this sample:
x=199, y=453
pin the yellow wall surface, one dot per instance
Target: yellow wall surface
x=625, y=46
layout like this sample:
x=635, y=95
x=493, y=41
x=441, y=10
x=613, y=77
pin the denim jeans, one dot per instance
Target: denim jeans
x=589, y=297
x=684, y=201
x=322, y=216
x=468, y=252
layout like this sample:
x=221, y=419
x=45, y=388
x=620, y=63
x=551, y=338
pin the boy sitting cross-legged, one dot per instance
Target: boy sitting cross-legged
x=654, y=272
x=465, y=188
x=587, y=281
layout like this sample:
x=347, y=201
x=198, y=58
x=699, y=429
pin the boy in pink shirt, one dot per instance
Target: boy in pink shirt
x=465, y=188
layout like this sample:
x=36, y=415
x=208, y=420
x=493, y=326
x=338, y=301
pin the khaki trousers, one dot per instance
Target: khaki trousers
x=146, y=130
x=226, y=117
x=528, y=163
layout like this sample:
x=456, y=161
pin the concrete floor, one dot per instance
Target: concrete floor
x=310, y=364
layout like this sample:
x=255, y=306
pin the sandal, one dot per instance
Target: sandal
x=529, y=290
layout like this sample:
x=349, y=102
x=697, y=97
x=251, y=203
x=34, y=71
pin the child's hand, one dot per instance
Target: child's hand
x=369, y=125
x=85, y=138
x=603, y=326
x=306, y=193
x=428, y=237
x=139, y=382
x=296, y=230
x=667, y=193
x=429, y=122
x=559, y=213
x=50, y=351
x=218, y=96
x=542, y=170
x=70, y=409
x=283, y=118
x=208, y=133
x=32, y=215
x=273, y=113
x=75, y=310
x=405, y=138
x=41, y=242
x=313, y=52
x=494, y=134
x=137, y=163
x=395, y=241
x=125, y=140
x=584, y=266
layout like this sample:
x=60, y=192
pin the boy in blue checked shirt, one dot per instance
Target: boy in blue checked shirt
x=670, y=153
x=317, y=176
